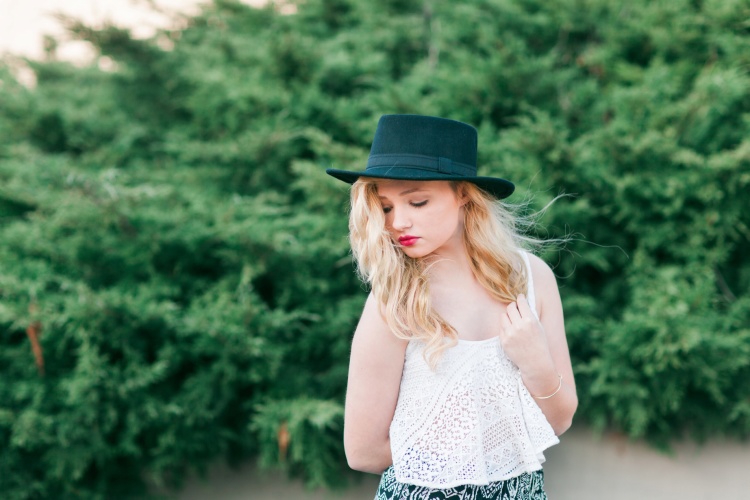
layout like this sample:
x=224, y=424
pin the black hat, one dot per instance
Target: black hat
x=425, y=148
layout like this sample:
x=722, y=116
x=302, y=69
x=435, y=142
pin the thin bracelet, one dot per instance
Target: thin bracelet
x=559, y=386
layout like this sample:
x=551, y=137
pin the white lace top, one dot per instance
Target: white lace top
x=471, y=421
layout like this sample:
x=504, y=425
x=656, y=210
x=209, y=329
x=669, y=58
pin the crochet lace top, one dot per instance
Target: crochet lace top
x=470, y=421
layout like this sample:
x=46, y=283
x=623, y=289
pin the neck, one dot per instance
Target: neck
x=450, y=268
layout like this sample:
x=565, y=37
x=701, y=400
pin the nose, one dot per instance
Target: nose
x=400, y=220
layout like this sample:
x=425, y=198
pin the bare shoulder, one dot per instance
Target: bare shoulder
x=541, y=271
x=373, y=331
x=373, y=312
x=545, y=285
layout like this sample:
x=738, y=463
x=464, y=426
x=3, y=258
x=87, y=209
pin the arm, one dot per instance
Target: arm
x=375, y=367
x=540, y=350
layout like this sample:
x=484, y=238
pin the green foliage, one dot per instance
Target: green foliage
x=175, y=279
x=304, y=434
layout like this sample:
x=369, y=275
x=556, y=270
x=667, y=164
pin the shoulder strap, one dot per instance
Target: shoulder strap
x=530, y=296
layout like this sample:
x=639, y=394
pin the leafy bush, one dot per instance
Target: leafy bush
x=175, y=280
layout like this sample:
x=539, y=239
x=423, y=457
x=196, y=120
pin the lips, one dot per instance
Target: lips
x=407, y=240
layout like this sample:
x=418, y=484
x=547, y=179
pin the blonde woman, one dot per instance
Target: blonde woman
x=460, y=375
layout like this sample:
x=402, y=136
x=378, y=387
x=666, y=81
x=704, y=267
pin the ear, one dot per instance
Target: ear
x=461, y=195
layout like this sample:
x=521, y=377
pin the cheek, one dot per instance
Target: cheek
x=449, y=213
x=453, y=220
x=388, y=221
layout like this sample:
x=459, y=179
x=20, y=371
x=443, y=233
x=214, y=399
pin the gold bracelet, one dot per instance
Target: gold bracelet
x=559, y=386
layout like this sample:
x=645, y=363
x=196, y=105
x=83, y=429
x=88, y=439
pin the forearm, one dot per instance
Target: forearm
x=555, y=396
x=543, y=362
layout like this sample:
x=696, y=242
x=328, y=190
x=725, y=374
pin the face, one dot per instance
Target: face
x=423, y=217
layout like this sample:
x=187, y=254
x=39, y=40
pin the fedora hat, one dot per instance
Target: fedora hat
x=425, y=148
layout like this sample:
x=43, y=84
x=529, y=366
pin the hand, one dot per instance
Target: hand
x=523, y=338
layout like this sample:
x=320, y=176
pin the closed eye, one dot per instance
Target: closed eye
x=417, y=204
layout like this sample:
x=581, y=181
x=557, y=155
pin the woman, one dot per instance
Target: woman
x=460, y=375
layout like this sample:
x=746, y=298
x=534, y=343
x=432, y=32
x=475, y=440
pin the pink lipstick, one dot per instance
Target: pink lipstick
x=407, y=240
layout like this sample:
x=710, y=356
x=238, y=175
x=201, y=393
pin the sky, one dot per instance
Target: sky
x=23, y=23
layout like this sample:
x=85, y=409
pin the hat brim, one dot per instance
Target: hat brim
x=497, y=187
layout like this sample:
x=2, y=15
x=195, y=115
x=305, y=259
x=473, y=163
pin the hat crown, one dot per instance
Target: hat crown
x=401, y=137
x=425, y=148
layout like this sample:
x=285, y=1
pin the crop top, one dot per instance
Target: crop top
x=471, y=420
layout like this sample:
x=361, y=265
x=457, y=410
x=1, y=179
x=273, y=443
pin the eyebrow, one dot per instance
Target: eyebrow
x=408, y=191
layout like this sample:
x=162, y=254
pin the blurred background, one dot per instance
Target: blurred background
x=177, y=296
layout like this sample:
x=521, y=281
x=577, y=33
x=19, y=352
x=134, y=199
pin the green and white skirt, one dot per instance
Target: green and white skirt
x=527, y=486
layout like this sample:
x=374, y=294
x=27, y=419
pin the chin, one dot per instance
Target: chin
x=414, y=253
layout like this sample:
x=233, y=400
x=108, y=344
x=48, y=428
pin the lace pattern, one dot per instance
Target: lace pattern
x=471, y=421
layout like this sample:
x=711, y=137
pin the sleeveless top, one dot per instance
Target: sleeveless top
x=471, y=420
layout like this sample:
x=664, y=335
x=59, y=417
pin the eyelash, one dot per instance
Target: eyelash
x=418, y=204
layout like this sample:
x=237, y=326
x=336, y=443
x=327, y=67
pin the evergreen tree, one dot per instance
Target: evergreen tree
x=175, y=279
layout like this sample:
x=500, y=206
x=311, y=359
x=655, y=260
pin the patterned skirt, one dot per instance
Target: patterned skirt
x=527, y=486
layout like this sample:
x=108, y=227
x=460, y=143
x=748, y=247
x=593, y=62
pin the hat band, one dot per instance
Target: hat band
x=420, y=162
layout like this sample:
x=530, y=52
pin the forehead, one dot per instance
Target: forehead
x=393, y=187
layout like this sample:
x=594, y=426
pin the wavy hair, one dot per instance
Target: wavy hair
x=400, y=283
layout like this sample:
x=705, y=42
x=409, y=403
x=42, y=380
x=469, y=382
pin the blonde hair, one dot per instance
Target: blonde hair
x=400, y=283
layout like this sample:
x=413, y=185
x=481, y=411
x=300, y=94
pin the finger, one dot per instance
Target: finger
x=504, y=327
x=505, y=323
x=523, y=306
x=512, y=312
